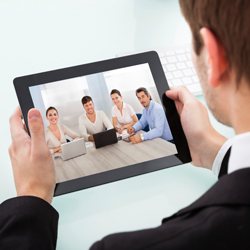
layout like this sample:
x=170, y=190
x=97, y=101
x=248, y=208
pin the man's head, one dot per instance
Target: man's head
x=88, y=105
x=143, y=97
x=221, y=44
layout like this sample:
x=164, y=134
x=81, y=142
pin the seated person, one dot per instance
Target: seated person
x=153, y=115
x=122, y=112
x=93, y=121
x=54, y=134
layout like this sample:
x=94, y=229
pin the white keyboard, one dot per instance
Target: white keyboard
x=178, y=67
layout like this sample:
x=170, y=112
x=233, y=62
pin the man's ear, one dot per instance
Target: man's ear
x=215, y=57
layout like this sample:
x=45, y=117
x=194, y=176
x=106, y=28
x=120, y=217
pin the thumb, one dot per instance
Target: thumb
x=36, y=128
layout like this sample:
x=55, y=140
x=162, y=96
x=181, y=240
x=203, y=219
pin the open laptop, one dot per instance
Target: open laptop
x=73, y=149
x=105, y=138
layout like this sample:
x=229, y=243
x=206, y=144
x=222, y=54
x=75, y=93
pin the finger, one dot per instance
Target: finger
x=179, y=94
x=17, y=130
x=132, y=138
x=36, y=127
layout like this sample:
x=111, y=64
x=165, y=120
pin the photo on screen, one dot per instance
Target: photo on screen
x=73, y=154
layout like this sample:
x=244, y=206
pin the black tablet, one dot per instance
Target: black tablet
x=158, y=128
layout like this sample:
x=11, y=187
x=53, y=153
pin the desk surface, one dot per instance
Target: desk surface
x=41, y=35
x=110, y=157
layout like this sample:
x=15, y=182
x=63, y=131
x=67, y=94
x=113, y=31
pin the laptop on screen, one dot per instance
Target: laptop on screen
x=105, y=138
x=73, y=149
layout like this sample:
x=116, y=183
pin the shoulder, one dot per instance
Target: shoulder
x=127, y=106
x=157, y=107
x=130, y=109
x=63, y=127
x=100, y=113
x=82, y=117
x=114, y=108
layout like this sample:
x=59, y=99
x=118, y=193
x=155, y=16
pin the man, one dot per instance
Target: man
x=153, y=114
x=220, y=219
x=92, y=121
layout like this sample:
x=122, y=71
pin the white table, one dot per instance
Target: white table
x=111, y=157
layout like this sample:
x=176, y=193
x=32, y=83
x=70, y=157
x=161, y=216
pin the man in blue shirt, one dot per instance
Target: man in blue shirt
x=153, y=115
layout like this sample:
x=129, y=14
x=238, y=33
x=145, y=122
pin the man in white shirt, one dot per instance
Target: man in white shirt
x=220, y=219
x=92, y=121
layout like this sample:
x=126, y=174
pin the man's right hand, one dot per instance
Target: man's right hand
x=130, y=130
x=203, y=140
x=91, y=138
x=33, y=167
x=57, y=150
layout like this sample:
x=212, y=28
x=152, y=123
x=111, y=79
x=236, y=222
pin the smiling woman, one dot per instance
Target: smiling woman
x=122, y=112
x=54, y=134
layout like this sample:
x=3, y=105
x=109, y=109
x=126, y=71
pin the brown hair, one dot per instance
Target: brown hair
x=51, y=108
x=139, y=90
x=115, y=91
x=229, y=22
x=86, y=99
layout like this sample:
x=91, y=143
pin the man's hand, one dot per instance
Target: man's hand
x=130, y=130
x=91, y=138
x=135, y=138
x=119, y=130
x=57, y=150
x=203, y=140
x=33, y=167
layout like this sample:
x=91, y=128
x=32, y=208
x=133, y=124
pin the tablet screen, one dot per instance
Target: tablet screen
x=76, y=102
x=66, y=97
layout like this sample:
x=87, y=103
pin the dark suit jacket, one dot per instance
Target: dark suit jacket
x=27, y=223
x=220, y=219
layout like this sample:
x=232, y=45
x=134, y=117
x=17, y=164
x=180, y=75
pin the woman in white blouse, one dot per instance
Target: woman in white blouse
x=122, y=112
x=54, y=134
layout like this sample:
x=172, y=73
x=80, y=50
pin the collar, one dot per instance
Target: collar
x=151, y=105
x=239, y=157
x=124, y=105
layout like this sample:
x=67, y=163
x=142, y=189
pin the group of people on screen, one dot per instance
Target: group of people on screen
x=123, y=118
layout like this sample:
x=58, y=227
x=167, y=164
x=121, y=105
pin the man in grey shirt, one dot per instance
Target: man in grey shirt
x=92, y=121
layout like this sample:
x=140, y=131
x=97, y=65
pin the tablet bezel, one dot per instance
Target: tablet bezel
x=23, y=83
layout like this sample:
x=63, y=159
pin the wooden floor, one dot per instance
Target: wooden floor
x=110, y=157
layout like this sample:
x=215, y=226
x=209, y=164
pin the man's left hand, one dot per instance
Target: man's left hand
x=135, y=139
x=32, y=163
